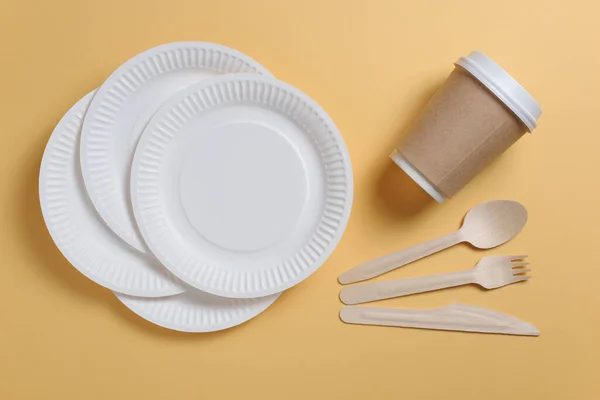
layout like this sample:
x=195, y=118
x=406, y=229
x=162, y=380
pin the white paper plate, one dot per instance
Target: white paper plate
x=195, y=311
x=241, y=186
x=79, y=232
x=123, y=106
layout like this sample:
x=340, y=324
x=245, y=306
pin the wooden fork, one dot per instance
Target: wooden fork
x=490, y=273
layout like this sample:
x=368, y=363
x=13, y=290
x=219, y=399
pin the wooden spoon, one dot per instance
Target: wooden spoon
x=485, y=226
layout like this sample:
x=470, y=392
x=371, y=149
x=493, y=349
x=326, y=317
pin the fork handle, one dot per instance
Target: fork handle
x=381, y=265
x=366, y=292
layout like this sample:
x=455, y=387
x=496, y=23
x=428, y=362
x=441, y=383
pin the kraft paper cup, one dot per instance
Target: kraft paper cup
x=478, y=113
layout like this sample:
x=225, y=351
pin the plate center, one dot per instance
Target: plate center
x=243, y=185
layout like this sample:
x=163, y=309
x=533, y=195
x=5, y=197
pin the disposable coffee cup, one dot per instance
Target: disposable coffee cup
x=478, y=113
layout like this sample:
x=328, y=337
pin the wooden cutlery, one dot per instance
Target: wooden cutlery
x=490, y=273
x=485, y=226
x=455, y=317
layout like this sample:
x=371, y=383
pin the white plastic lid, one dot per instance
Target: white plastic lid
x=499, y=82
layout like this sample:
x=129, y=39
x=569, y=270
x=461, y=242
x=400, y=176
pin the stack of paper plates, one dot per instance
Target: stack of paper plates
x=196, y=186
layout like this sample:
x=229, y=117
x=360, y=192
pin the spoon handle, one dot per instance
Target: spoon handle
x=389, y=262
x=372, y=291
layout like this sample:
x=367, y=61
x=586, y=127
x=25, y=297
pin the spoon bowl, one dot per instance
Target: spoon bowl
x=493, y=223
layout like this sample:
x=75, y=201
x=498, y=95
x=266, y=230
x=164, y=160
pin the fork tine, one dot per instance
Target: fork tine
x=520, y=271
x=521, y=278
x=515, y=258
x=520, y=264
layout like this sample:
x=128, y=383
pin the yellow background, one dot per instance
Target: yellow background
x=371, y=65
